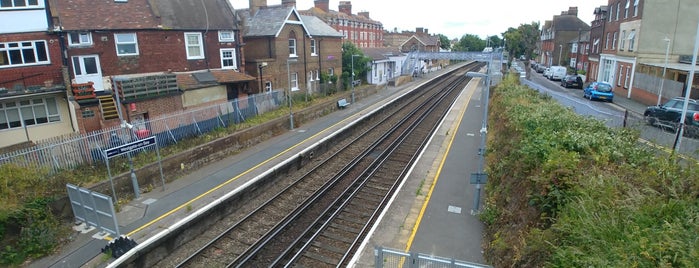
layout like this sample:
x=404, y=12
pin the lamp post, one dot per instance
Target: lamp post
x=481, y=176
x=662, y=79
x=560, y=54
x=260, y=66
x=291, y=114
x=690, y=82
x=352, y=82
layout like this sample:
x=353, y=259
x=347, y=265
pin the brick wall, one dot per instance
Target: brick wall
x=155, y=107
x=36, y=74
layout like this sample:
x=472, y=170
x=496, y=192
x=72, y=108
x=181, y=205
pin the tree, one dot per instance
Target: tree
x=469, y=42
x=444, y=41
x=361, y=66
x=522, y=40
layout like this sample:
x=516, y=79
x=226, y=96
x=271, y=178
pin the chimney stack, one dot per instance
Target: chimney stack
x=418, y=30
x=289, y=3
x=255, y=5
x=364, y=14
x=345, y=7
x=573, y=11
x=323, y=5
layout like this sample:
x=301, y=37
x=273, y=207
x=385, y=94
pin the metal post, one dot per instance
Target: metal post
x=291, y=114
x=484, y=132
x=662, y=79
x=260, y=66
x=560, y=54
x=352, y=82
x=678, y=139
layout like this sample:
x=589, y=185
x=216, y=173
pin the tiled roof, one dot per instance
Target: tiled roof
x=569, y=23
x=143, y=14
x=187, y=81
x=268, y=21
x=338, y=15
x=317, y=27
x=103, y=14
x=195, y=14
x=380, y=53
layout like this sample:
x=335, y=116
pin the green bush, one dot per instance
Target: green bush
x=567, y=191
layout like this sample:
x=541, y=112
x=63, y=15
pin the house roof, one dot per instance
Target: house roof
x=569, y=23
x=143, y=14
x=584, y=37
x=188, y=80
x=332, y=14
x=195, y=14
x=103, y=14
x=269, y=20
x=317, y=27
x=380, y=53
x=426, y=40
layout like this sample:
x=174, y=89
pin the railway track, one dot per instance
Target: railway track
x=318, y=216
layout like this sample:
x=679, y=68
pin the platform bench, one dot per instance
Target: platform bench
x=342, y=103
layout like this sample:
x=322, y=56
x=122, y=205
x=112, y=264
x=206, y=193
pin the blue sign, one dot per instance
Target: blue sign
x=130, y=147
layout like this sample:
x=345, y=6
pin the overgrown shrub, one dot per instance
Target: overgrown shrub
x=567, y=191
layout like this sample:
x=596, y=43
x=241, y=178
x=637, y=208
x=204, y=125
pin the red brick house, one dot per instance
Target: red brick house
x=33, y=103
x=142, y=56
x=358, y=29
x=579, y=53
x=287, y=50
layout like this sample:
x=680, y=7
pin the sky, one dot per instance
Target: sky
x=454, y=18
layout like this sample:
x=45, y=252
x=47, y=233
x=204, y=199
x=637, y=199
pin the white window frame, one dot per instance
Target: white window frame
x=635, y=8
x=314, y=50
x=572, y=62
x=606, y=42
x=618, y=7
x=614, y=42
x=626, y=80
x=574, y=48
x=21, y=109
x=331, y=71
x=27, y=4
x=618, y=79
x=622, y=41
x=232, y=57
x=268, y=86
x=632, y=39
x=199, y=46
x=226, y=36
x=292, y=48
x=19, y=49
x=294, y=81
x=84, y=39
x=611, y=9
x=118, y=43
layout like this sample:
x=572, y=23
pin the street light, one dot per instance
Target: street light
x=662, y=79
x=484, y=130
x=352, y=82
x=680, y=132
x=261, y=65
x=560, y=54
x=288, y=71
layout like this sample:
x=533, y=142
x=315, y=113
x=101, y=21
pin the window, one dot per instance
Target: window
x=606, y=42
x=632, y=35
x=574, y=48
x=226, y=36
x=126, y=44
x=18, y=4
x=292, y=47
x=79, y=39
x=268, y=86
x=626, y=9
x=614, y=41
x=618, y=80
x=14, y=54
x=572, y=62
x=622, y=41
x=28, y=112
x=618, y=7
x=626, y=80
x=587, y=49
x=611, y=10
x=635, y=8
x=314, y=52
x=294, y=81
x=228, y=60
x=331, y=71
x=194, y=46
x=595, y=46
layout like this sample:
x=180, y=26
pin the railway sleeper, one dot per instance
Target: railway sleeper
x=344, y=239
x=328, y=247
x=319, y=258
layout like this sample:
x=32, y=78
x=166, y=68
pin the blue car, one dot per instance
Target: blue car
x=599, y=91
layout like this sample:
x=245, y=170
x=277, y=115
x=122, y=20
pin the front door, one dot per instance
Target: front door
x=86, y=68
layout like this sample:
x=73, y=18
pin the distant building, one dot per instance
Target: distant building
x=555, y=35
x=358, y=29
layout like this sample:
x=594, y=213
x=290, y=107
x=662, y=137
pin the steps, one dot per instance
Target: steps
x=108, y=107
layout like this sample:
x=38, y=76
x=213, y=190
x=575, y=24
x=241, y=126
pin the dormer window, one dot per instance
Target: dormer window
x=79, y=39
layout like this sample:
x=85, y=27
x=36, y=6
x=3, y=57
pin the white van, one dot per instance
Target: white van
x=558, y=72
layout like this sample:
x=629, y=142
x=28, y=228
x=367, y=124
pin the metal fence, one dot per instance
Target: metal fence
x=389, y=258
x=70, y=151
x=664, y=136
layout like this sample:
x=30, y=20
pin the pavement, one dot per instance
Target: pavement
x=433, y=213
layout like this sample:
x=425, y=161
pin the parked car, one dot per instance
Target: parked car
x=558, y=72
x=572, y=80
x=547, y=73
x=540, y=68
x=599, y=91
x=667, y=115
